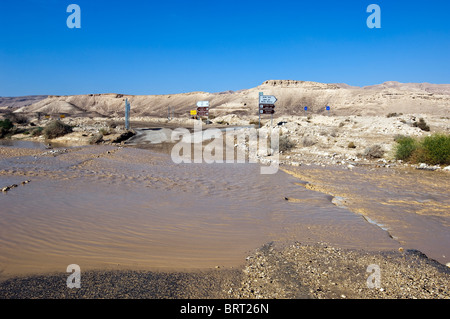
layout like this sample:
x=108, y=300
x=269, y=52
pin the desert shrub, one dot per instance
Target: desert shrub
x=285, y=143
x=37, y=131
x=112, y=125
x=393, y=114
x=6, y=124
x=422, y=125
x=97, y=138
x=251, y=122
x=104, y=131
x=18, y=118
x=437, y=149
x=308, y=141
x=55, y=129
x=5, y=127
x=405, y=147
x=351, y=145
x=375, y=151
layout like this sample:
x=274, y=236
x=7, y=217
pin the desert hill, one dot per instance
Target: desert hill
x=381, y=99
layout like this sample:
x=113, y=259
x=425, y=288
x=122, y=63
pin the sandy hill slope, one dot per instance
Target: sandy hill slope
x=292, y=96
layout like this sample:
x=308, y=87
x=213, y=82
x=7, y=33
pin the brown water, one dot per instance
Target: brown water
x=412, y=205
x=120, y=208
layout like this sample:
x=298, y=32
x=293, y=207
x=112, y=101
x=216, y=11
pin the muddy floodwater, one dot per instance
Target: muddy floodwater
x=108, y=207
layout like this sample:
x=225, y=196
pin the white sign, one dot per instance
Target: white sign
x=202, y=103
x=267, y=99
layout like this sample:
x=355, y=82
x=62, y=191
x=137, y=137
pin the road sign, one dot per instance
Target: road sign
x=267, y=99
x=203, y=103
x=266, y=106
x=327, y=108
x=202, y=109
x=266, y=111
x=306, y=108
x=193, y=112
x=202, y=114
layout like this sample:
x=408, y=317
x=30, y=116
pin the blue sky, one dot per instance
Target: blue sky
x=165, y=47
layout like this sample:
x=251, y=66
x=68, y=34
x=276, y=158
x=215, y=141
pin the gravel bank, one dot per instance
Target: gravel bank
x=297, y=271
x=321, y=271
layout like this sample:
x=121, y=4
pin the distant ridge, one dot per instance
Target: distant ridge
x=292, y=95
x=20, y=101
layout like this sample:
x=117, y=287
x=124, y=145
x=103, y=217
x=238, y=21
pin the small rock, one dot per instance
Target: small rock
x=5, y=189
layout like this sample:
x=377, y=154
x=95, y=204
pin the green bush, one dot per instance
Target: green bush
x=437, y=149
x=37, y=131
x=405, y=147
x=433, y=150
x=55, y=129
x=6, y=124
x=5, y=127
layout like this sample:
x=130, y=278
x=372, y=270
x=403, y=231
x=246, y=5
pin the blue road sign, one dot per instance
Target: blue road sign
x=328, y=108
x=306, y=108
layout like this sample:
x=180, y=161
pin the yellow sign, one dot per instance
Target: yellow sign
x=193, y=112
x=62, y=116
x=47, y=116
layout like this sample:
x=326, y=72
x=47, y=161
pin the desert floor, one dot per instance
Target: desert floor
x=309, y=231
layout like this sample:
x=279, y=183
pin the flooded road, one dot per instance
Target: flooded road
x=107, y=207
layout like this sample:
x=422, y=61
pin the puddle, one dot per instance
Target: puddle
x=412, y=206
x=129, y=208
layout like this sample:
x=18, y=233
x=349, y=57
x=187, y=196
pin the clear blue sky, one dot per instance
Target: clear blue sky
x=162, y=47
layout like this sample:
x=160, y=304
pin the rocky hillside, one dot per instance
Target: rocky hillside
x=293, y=96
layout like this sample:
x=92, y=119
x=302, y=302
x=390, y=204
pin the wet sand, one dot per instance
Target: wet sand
x=123, y=209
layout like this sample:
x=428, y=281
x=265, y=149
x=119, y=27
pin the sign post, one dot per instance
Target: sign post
x=203, y=108
x=266, y=106
x=259, y=112
x=328, y=109
x=127, y=115
x=306, y=109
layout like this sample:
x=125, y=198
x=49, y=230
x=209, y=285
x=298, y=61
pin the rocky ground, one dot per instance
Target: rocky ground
x=317, y=139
